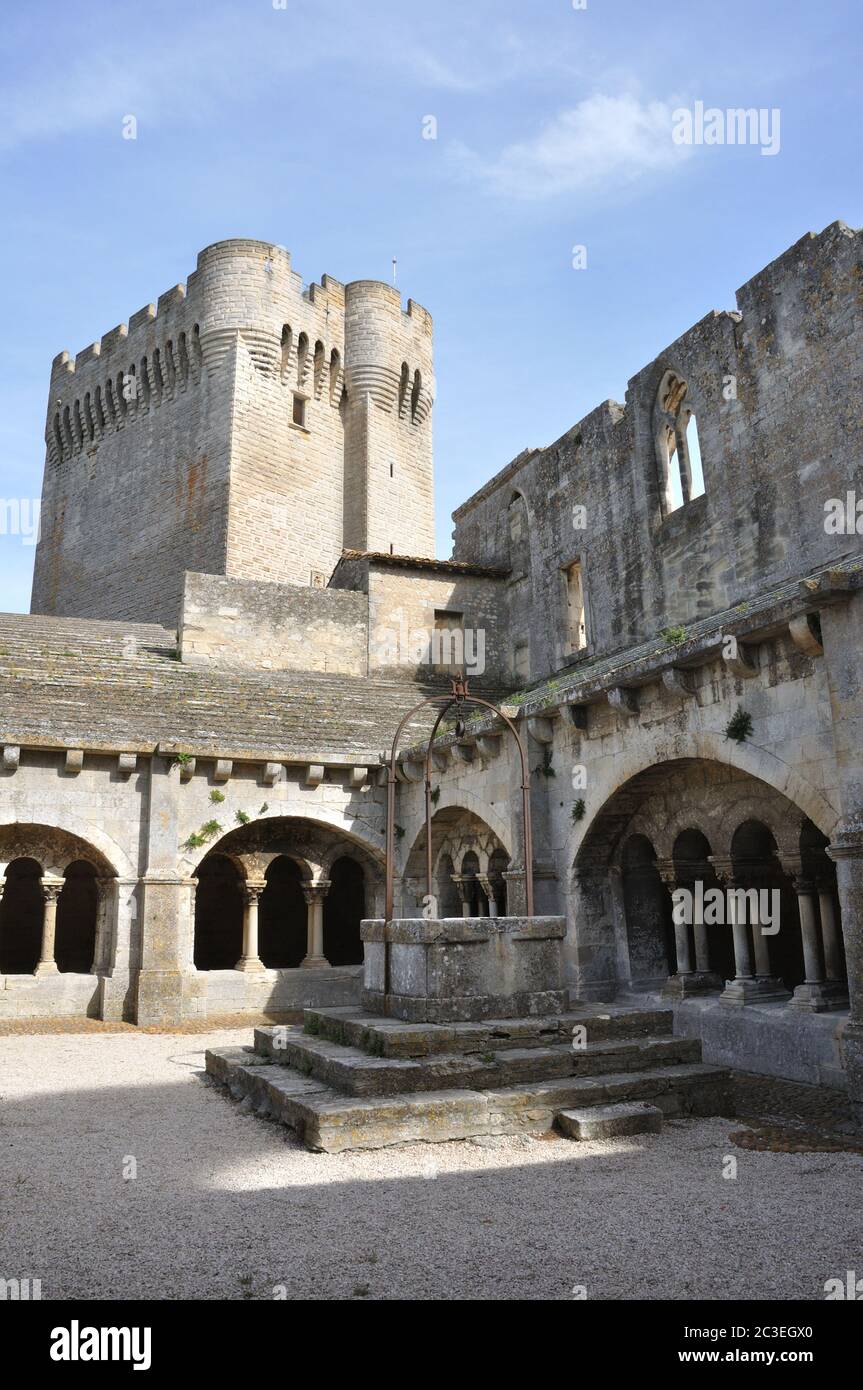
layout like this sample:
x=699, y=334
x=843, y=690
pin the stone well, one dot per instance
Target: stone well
x=456, y=969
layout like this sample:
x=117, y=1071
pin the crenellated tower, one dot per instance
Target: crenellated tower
x=245, y=425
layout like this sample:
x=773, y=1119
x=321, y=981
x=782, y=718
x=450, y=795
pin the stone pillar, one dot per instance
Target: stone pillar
x=846, y=850
x=250, y=961
x=462, y=883
x=668, y=874
x=516, y=895
x=748, y=986
x=687, y=981
x=486, y=883
x=742, y=987
x=106, y=894
x=116, y=948
x=165, y=959
x=810, y=995
x=314, y=894
x=51, y=890
x=831, y=943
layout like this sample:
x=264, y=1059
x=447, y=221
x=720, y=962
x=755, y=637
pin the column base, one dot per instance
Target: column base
x=761, y=989
x=46, y=967
x=817, y=998
x=695, y=982
x=315, y=963
x=250, y=965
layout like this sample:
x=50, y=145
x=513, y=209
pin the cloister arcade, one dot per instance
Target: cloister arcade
x=471, y=874
x=55, y=896
x=703, y=827
x=282, y=894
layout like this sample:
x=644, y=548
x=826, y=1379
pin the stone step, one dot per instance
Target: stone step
x=330, y=1122
x=610, y=1121
x=355, y=1072
x=388, y=1037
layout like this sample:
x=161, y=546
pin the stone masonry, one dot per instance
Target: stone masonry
x=234, y=605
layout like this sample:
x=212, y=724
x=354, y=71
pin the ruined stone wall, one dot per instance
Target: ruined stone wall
x=775, y=390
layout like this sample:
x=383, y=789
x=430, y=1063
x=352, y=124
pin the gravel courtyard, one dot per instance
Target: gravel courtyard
x=226, y=1206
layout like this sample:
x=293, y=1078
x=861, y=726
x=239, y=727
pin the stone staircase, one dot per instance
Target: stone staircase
x=348, y=1080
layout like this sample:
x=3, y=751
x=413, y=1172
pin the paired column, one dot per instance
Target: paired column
x=750, y=985
x=314, y=894
x=488, y=886
x=250, y=961
x=51, y=890
x=693, y=976
x=815, y=994
x=463, y=883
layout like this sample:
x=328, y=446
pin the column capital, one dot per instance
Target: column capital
x=316, y=892
x=52, y=888
x=723, y=867
x=667, y=871
x=253, y=888
x=846, y=844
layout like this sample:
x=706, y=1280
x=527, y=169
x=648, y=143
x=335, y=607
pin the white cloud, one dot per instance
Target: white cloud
x=602, y=142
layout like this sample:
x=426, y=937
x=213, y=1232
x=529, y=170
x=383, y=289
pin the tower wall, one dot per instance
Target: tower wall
x=389, y=371
x=214, y=434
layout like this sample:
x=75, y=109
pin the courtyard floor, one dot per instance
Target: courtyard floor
x=226, y=1206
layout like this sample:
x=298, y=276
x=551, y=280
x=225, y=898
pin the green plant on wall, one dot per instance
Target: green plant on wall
x=217, y=797
x=545, y=768
x=673, y=635
x=578, y=810
x=208, y=831
x=739, y=726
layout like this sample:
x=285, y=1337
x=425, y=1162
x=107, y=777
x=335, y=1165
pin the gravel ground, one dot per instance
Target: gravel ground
x=226, y=1206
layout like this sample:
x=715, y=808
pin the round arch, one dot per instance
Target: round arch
x=55, y=839
x=658, y=753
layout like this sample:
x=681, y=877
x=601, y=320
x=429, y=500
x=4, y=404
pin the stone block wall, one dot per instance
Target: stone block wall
x=774, y=386
x=235, y=623
x=246, y=425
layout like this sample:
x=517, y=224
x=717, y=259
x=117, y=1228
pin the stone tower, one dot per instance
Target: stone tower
x=244, y=426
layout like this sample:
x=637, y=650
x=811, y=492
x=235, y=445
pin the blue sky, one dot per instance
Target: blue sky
x=304, y=125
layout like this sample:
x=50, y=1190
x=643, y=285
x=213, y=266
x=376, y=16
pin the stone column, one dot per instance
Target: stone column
x=748, y=986
x=742, y=987
x=835, y=984
x=51, y=890
x=250, y=961
x=846, y=850
x=668, y=874
x=314, y=894
x=462, y=883
x=487, y=884
x=686, y=981
x=811, y=994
